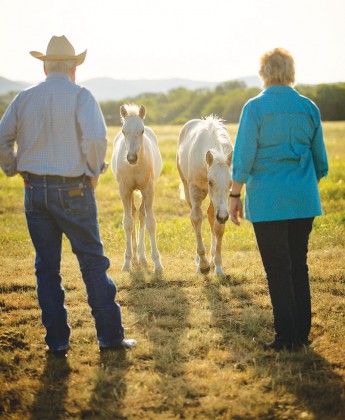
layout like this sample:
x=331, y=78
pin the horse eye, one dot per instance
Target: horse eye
x=142, y=132
x=210, y=183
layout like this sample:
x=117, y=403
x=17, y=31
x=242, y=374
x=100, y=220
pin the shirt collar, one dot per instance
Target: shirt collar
x=56, y=75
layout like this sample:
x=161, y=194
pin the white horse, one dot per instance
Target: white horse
x=137, y=163
x=204, y=160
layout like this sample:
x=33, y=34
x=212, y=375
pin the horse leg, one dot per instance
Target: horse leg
x=148, y=195
x=134, y=236
x=185, y=185
x=196, y=198
x=128, y=225
x=219, y=232
x=141, y=241
x=211, y=220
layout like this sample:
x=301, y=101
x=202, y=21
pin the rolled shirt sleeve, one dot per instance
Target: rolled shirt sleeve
x=8, y=133
x=93, y=132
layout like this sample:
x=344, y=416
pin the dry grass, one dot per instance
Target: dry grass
x=199, y=354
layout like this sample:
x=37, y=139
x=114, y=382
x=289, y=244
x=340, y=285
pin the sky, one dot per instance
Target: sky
x=204, y=40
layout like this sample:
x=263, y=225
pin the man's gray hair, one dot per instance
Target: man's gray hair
x=59, y=66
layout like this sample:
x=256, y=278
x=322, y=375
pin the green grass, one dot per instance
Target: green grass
x=199, y=354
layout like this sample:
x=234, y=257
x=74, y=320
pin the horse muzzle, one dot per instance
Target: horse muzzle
x=222, y=219
x=132, y=159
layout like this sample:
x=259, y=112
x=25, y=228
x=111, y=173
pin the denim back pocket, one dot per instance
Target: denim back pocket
x=74, y=198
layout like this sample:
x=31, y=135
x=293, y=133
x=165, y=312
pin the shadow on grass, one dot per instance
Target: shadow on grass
x=50, y=399
x=163, y=309
x=311, y=379
x=110, y=388
x=316, y=389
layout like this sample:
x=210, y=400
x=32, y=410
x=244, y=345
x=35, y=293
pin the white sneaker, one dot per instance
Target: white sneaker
x=128, y=343
x=125, y=344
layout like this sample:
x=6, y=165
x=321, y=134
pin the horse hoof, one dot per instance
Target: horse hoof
x=205, y=270
x=219, y=274
x=158, y=269
x=126, y=268
x=219, y=271
x=143, y=263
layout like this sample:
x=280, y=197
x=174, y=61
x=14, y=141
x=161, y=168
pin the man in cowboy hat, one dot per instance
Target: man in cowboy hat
x=61, y=145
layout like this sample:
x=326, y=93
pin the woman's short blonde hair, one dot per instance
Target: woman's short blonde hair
x=277, y=67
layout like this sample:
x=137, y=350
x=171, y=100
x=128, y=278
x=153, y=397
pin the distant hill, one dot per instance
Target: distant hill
x=105, y=88
x=111, y=89
x=7, y=86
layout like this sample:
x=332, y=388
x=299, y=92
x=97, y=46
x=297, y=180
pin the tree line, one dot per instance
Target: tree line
x=225, y=100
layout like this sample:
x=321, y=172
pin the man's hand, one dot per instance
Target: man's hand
x=236, y=210
x=94, y=182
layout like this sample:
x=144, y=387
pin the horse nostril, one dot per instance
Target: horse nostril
x=132, y=159
x=221, y=219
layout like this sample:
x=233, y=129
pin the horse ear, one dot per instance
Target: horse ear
x=123, y=111
x=142, y=112
x=229, y=158
x=209, y=157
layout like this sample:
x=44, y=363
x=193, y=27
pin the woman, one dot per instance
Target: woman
x=280, y=155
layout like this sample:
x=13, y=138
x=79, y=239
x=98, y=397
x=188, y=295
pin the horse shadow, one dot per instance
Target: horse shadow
x=52, y=393
x=308, y=368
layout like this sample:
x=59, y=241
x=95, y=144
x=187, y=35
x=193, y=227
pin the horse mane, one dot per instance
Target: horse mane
x=216, y=127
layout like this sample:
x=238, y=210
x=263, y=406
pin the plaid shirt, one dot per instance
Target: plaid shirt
x=59, y=130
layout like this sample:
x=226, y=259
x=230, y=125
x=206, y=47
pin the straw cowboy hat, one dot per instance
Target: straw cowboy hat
x=60, y=49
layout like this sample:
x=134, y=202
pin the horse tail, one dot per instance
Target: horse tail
x=182, y=192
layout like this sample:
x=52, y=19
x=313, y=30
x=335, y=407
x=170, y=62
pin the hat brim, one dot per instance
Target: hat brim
x=79, y=59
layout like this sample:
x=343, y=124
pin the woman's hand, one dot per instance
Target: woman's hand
x=236, y=210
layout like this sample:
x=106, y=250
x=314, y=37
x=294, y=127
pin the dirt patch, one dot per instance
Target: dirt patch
x=12, y=340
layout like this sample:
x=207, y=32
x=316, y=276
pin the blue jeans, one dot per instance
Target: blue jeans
x=283, y=246
x=55, y=206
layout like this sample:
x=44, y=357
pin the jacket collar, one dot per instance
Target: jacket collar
x=279, y=89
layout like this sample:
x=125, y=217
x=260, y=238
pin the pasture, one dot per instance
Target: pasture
x=199, y=353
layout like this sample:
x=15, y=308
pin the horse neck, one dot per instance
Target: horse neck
x=208, y=141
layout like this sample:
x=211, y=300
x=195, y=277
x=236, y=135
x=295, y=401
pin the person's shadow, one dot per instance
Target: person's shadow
x=110, y=381
x=50, y=398
x=305, y=374
x=163, y=309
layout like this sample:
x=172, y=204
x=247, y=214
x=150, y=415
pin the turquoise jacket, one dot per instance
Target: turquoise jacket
x=280, y=155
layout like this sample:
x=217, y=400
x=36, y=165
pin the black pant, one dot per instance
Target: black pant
x=283, y=247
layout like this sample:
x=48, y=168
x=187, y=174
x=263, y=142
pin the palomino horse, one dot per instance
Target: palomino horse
x=137, y=163
x=204, y=159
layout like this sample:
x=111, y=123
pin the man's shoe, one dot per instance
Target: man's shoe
x=59, y=354
x=273, y=345
x=280, y=345
x=128, y=343
x=125, y=344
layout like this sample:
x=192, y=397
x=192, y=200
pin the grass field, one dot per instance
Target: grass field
x=199, y=353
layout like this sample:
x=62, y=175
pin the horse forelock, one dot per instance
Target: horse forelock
x=219, y=157
x=132, y=111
